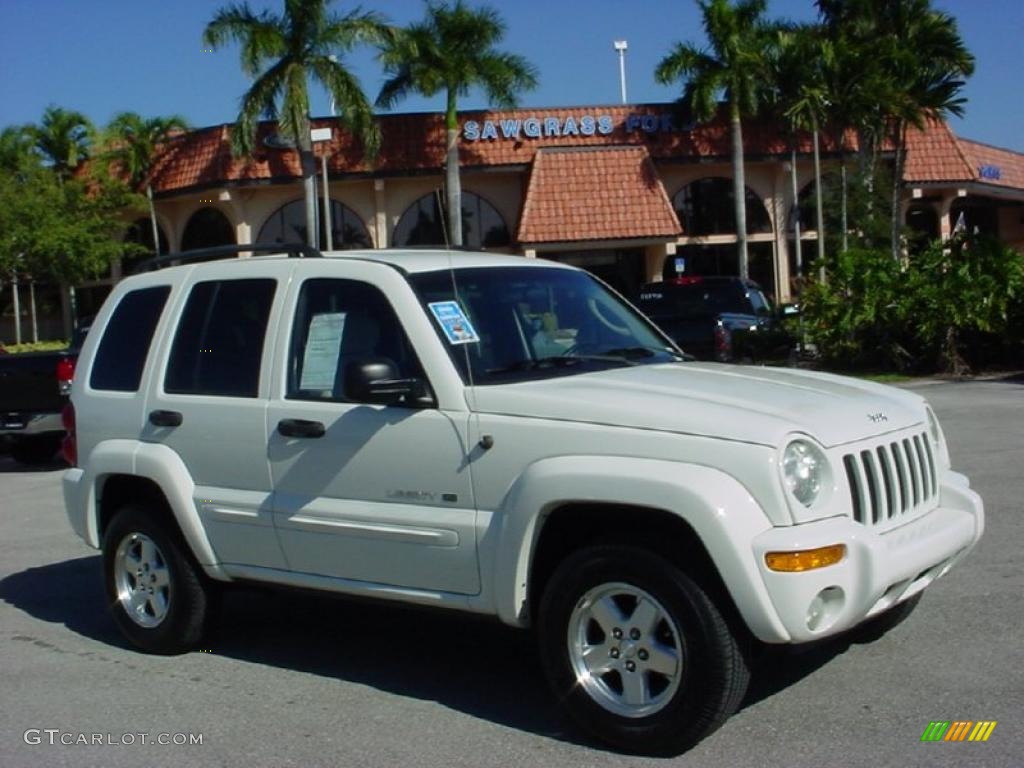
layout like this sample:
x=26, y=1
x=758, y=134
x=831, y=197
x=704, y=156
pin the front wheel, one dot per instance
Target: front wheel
x=155, y=591
x=637, y=652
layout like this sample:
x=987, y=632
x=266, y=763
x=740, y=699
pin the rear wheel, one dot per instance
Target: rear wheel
x=637, y=652
x=155, y=591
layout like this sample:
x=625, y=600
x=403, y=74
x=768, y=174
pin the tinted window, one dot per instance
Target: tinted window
x=339, y=322
x=701, y=298
x=125, y=343
x=219, y=342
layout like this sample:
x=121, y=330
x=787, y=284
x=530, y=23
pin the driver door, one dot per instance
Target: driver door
x=363, y=491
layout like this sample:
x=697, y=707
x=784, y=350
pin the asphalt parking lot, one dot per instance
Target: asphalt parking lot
x=292, y=680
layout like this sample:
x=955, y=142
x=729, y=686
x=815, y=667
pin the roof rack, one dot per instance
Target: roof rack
x=196, y=255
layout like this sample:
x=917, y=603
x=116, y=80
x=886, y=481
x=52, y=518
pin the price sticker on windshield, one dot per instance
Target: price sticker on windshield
x=453, y=321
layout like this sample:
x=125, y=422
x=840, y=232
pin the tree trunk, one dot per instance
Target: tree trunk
x=739, y=191
x=309, y=189
x=820, y=210
x=17, y=308
x=453, y=184
x=152, y=220
x=844, y=222
x=32, y=310
x=797, y=247
x=899, y=138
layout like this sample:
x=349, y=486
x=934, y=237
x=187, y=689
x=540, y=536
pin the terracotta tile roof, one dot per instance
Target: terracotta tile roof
x=415, y=142
x=934, y=155
x=994, y=165
x=599, y=193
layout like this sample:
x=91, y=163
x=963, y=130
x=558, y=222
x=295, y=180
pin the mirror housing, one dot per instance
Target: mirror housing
x=375, y=380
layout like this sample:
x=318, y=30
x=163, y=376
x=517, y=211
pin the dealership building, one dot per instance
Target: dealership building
x=628, y=191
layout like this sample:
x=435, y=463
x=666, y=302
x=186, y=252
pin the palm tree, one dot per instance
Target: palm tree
x=132, y=143
x=16, y=148
x=453, y=50
x=736, y=65
x=63, y=137
x=800, y=97
x=281, y=53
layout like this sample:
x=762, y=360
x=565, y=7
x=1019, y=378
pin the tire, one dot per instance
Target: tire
x=683, y=656
x=168, y=614
x=36, y=449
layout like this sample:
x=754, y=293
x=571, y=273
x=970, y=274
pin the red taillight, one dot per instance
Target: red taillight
x=688, y=280
x=723, y=343
x=65, y=373
x=69, y=445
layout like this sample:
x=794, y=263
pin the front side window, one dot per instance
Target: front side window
x=536, y=322
x=338, y=323
x=219, y=344
x=122, y=351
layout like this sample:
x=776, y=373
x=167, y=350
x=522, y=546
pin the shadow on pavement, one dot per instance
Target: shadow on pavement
x=464, y=662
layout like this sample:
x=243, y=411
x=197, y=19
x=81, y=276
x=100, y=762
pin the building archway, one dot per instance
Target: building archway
x=974, y=216
x=705, y=207
x=422, y=223
x=288, y=225
x=207, y=228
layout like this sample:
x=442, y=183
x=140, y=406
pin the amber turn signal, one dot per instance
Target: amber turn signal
x=805, y=559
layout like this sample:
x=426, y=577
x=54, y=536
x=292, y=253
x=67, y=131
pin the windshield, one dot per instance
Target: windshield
x=535, y=322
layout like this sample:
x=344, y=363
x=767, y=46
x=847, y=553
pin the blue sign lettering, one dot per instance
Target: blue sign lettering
x=510, y=128
x=471, y=130
x=569, y=127
x=489, y=131
x=551, y=126
x=531, y=127
x=587, y=125
x=992, y=172
x=604, y=124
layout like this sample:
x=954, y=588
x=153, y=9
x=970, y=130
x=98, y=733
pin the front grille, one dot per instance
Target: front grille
x=892, y=480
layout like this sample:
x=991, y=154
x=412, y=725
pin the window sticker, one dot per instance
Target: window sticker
x=453, y=322
x=323, y=348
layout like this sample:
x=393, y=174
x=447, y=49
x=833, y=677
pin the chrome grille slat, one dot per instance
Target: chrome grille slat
x=891, y=479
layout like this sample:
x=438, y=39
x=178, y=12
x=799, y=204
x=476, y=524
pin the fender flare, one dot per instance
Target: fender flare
x=722, y=512
x=165, y=468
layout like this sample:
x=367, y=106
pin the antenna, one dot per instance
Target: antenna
x=455, y=296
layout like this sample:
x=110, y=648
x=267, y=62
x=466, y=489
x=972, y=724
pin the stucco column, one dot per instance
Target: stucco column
x=654, y=260
x=945, y=225
x=380, y=214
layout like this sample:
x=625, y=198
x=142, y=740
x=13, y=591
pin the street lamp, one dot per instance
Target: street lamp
x=621, y=46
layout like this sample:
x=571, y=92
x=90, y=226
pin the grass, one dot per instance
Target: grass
x=885, y=378
x=37, y=346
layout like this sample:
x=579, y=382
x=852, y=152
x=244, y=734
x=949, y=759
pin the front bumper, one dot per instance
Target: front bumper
x=879, y=569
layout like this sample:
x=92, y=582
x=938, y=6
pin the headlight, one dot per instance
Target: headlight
x=937, y=438
x=804, y=470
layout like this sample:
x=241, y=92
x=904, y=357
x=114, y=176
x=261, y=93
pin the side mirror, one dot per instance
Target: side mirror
x=375, y=380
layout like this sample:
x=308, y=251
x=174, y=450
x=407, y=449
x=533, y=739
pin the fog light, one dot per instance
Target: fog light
x=805, y=559
x=824, y=609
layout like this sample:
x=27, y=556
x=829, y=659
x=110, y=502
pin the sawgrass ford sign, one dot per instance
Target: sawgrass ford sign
x=545, y=126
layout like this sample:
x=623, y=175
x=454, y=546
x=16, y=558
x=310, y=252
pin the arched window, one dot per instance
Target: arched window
x=974, y=216
x=207, y=228
x=141, y=233
x=288, y=225
x=422, y=224
x=808, y=207
x=705, y=207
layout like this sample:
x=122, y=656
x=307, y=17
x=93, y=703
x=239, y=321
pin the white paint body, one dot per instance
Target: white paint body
x=368, y=509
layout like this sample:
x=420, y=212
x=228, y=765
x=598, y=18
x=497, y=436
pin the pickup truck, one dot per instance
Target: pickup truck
x=725, y=319
x=504, y=436
x=34, y=388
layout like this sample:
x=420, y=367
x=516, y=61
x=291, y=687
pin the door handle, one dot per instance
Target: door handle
x=165, y=418
x=300, y=428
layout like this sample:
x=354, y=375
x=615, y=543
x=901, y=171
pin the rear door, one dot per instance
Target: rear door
x=209, y=403
x=371, y=493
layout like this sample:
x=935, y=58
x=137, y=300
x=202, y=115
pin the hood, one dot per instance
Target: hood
x=748, y=404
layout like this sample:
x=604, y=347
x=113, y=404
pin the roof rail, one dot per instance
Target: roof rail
x=294, y=250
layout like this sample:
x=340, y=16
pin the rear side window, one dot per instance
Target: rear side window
x=122, y=351
x=219, y=343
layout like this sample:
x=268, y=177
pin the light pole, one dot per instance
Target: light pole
x=621, y=46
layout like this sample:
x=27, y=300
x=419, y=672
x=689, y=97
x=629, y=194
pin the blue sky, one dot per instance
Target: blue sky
x=105, y=56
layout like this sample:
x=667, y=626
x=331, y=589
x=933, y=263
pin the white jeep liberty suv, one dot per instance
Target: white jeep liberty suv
x=505, y=436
